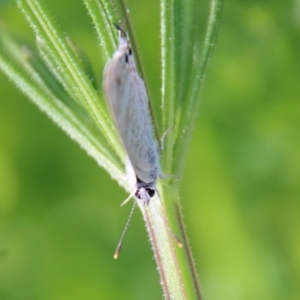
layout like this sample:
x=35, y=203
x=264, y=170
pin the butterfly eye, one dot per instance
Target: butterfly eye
x=126, y=58
x=151, y=192
x=130, y=51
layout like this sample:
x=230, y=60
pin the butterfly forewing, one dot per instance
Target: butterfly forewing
x=128, y=104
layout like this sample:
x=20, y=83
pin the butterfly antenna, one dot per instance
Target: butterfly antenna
x=127, y=199
x=118, y=249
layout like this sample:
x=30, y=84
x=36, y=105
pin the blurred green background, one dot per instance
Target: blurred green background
x=59, y=213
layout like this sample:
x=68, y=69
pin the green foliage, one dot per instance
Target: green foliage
x=59, y=213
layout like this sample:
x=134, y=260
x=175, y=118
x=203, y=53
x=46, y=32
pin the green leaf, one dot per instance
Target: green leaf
x=65, y=66
x=190, y=108
x=61, y=115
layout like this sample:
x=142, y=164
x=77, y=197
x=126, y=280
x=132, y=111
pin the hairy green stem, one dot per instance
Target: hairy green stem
x=162, y=244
